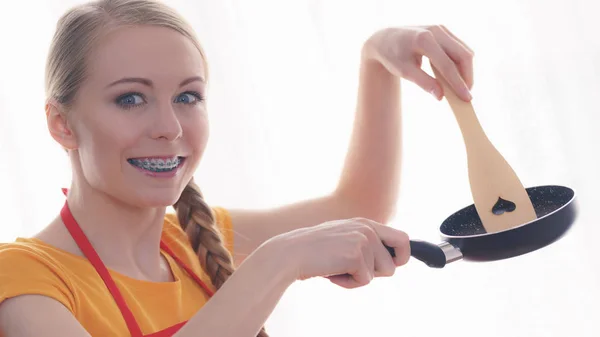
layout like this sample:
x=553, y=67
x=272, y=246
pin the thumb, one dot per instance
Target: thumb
x=423, y=80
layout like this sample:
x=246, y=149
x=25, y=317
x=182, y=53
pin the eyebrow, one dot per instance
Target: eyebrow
x=149, y=83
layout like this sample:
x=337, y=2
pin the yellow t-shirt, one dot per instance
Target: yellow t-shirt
x=29, y=266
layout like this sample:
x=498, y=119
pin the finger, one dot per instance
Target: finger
x=456, y=38
x=399, y=241
x=438, y=58
x=423, y=80
x=461, y=55
x=361, y=274
x=369, y=258
x=384, y=262
x=347, y=281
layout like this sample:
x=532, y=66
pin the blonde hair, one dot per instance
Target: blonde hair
x=77, y=31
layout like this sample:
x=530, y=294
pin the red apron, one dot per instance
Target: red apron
x=89, y=252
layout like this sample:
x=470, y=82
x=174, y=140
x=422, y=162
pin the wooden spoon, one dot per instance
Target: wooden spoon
x=499, y=197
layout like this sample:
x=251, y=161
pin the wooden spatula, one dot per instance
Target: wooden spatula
x=499, y=197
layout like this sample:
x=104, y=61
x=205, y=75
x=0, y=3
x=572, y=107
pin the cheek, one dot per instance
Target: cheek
x=102, y=144
x=196, y=133
x=108, y=134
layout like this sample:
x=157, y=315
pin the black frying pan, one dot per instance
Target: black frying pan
x=465, y=237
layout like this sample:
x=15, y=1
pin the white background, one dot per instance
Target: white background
x=283, y=83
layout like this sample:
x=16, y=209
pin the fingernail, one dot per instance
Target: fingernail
x=467, y=94
x=435, y=94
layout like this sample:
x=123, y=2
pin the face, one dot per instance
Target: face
x=139, y=121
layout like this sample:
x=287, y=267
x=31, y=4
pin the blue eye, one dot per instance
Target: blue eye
x=130, y=100
x=189, y=98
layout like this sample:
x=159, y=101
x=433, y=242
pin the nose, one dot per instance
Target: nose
x=166, y=123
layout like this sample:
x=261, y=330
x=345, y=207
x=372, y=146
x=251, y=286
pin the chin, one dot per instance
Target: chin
x=156, y=198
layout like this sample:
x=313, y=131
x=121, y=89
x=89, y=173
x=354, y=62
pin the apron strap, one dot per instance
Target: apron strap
x=189, y=270
x=92, y=256
x=168, y=332
x=89, y=252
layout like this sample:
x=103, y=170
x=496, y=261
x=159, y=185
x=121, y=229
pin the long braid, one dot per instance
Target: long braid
x=198, y=221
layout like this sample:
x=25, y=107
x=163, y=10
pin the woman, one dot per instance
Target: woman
x=126, y=99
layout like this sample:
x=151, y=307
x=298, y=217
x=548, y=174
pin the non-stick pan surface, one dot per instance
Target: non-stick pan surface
x=465, y=237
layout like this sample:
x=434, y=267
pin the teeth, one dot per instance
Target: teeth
x=154, y=164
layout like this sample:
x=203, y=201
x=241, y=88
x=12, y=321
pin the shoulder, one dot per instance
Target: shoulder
x=28, y=268
x=27, y=252
x=222, y=221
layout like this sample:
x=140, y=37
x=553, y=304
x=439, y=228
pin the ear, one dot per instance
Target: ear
x=58, y=125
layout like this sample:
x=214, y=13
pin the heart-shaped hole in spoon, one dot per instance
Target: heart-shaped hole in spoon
x=502, y=206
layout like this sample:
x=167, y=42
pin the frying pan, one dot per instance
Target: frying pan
x=464, y=237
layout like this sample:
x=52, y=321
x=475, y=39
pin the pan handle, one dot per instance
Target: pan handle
x=432, y=255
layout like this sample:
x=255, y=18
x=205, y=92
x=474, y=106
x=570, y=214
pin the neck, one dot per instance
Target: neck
x=126, y=238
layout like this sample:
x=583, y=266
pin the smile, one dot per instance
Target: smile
x=157, y=164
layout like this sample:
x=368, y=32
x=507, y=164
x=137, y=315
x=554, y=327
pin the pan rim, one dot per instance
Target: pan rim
x=447, y=236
